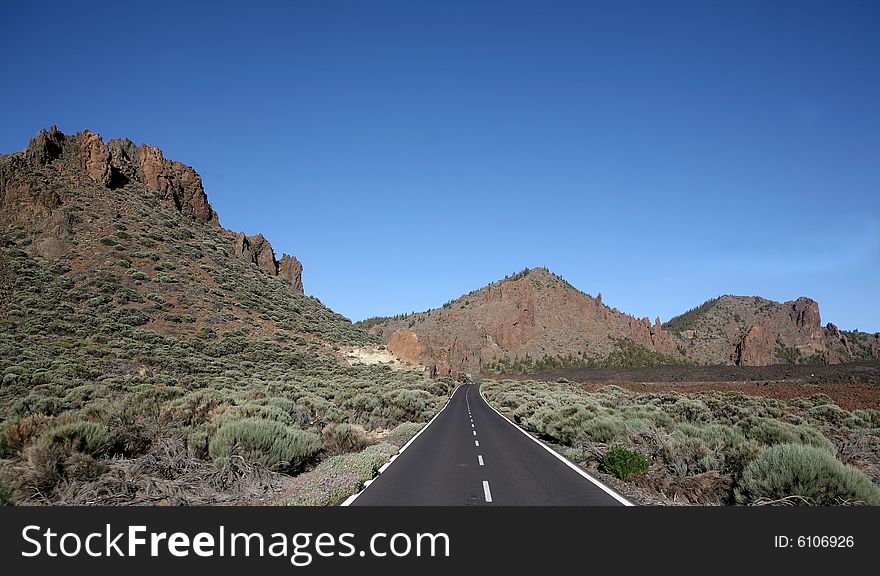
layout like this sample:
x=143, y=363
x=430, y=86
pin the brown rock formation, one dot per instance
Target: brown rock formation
x=291, y=270
x=45, y=146
x=805, y=315
x=258, y=250
x=30, y=182
x=532, y=315
x=178, y=184
x=406, y=346
x=94, y=157
x=756, y=348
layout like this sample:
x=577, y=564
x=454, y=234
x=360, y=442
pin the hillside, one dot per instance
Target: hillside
x=536, y=321
x=750, y=330
x=142, y=344
x=531, y=320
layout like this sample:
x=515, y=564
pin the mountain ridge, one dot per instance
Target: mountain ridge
x=739, y=330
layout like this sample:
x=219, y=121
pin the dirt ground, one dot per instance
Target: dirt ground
x=851, y=386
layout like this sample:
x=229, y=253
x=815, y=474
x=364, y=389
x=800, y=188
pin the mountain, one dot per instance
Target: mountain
x=751, y=330
x=536, y=320
x=529, y=320
x=142, y=344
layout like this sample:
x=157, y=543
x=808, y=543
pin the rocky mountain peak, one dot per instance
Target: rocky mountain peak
x=36, y=182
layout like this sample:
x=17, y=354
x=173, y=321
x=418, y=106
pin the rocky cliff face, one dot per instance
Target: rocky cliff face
x=533, y=317
x=257, y=250
x=34, y=183
x=116, y=163
x=754, y=331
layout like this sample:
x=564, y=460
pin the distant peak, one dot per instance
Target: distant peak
x=540, y=277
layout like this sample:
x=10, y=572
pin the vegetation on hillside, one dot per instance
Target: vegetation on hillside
x=709, y=448
x=134, y=382
x=687, y=320
x=626, y=354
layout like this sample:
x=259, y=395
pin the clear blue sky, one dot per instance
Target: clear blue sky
x=662, y=153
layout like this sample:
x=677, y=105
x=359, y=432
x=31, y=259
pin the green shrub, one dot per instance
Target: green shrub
x=828, y=413
x=685, y=454
x=770, y=432
x=864, y=419
x=575, y=454
x=403, y=433
x=338, y=477
x=270, y=443
x=624, y=464
x=806, y=471
x=86, y=437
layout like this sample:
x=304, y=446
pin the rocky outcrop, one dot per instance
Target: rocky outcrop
x=805, y=315
x=406, y=346
x=756, y=348
x=28, y=199
x=291, y=270
x=31, y=182
x=178, y=184
x=257, y=250
x=94, y=157
x=117, y=162
x=45, y=146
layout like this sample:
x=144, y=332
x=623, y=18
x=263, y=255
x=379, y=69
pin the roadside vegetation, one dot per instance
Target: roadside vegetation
x=626, y=354
x=707, y=448
x=173, y=372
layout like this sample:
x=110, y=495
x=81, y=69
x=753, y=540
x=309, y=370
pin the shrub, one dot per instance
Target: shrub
x=403, y=433
x=805, y=471
x=86, y=437
x=270, y=443
x=864, y=419
x=16, y=433
x=771, y=432
x=338, y=477
x=45, y=466
x=830, y=413
x=685, y=454
x=605, y=429
x=624, y=464
x=6, y=498
x=575, y=454
x=343, y=438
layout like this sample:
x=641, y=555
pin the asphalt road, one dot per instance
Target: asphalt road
x=471, y=455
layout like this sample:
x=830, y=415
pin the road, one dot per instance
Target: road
x=471, y=455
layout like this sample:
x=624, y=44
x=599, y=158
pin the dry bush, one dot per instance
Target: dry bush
x=712, y=487
x=43, y=470
x=16, y=434
x=343, y=438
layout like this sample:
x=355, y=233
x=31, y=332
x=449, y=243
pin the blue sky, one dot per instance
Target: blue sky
x=662, y=153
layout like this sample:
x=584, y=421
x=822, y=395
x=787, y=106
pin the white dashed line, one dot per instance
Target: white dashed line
x=472, y=424
x=475, y=432
x=477, y=443
x=486, y=491
x=480, y=458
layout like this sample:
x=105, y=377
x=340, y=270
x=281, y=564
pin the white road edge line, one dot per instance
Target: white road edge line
x=480, y=458
x=385, y=466
x=558, y=456
x=486, y=491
